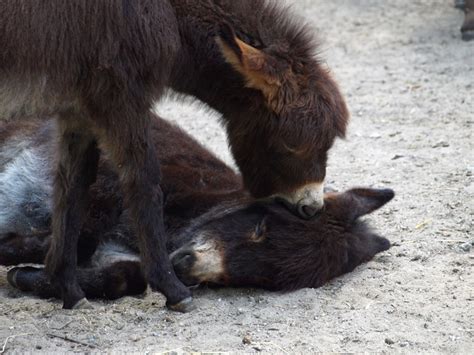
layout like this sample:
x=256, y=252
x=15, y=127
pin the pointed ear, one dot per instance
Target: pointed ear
x=256, y=67
x=365, y=201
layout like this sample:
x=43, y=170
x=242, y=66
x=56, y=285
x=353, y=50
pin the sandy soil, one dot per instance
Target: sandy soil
x=409, y=81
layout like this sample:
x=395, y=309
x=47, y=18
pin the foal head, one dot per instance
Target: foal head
x=296, y=112
x=262, y=244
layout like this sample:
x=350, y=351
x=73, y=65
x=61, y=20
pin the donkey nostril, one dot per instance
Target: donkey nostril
x=183, y=260
x=307, y=211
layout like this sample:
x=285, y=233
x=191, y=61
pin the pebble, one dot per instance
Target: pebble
x=135, y=338
x=397, y=156
x=247, y=340
x=466, y=246
x=441, y=144
x=389, y=341
x=470, y=189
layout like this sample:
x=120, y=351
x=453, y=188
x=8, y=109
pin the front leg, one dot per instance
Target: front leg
x=131, y=148
x=76, y=171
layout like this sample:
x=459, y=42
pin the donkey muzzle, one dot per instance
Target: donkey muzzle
x=306, y=202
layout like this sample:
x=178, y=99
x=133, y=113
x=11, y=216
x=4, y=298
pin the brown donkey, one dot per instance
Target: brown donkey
x=217, y=233
x=99, y=65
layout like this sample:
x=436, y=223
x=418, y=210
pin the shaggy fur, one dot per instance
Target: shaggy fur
x=99, y=65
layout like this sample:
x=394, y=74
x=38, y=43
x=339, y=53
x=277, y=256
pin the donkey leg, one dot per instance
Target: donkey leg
x=122, y=278
x=16, y=249
x=77, y=170
x=35, y=280
x=134, y=155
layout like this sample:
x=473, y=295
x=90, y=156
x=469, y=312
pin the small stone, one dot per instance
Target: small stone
x=135, y=338
x=389, y=341
x=441, y=144
x=397, y=156
x=403, y=344
x=465, y=246
x=247, y=340
x=38, y=347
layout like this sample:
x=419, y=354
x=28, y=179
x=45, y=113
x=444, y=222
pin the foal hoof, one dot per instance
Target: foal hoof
x=11, y=276
x=24, y=278
x=83, y=303
x=184, y=306
x=468, y=35
x=460, y=4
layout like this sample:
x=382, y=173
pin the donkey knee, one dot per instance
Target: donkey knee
x=17, y=249
x=124, y=278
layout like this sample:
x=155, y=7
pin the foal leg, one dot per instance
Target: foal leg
x=76, y=171
x=134, y=155
x=122, y=278
x=17, y=249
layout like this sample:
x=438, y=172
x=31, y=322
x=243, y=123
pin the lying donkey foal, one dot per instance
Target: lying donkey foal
x=217, y=233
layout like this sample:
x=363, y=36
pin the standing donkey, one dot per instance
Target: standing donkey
x=98, y=65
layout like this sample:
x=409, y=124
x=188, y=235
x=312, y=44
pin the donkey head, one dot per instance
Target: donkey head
x=296, y=110
x=262, y=244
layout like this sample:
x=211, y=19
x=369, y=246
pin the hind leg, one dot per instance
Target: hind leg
x=76, y=171
x=16, y=249
x=110, y=282
x=467, y=28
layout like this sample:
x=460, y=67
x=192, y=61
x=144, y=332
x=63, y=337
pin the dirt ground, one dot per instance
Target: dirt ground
x=409, y=82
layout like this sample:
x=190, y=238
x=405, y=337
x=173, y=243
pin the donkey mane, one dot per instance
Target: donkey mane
x=271, y=23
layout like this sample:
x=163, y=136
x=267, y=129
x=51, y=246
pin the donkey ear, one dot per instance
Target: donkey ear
x=364, y=201
x=257, y=67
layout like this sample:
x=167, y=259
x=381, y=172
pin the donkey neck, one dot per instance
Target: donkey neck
x=200, y=69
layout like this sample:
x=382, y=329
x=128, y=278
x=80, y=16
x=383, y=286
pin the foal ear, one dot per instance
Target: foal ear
x=257, y=67
x=365, y=201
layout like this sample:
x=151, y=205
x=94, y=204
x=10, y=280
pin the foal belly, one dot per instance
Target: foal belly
x=25, y=189
x=23, y=97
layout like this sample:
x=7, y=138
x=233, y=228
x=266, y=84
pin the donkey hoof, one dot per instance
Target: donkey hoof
x=184, y=306
x=460, y=4
x=24, y=278
x=468, y=35
x=83, y=303
x=11, y=276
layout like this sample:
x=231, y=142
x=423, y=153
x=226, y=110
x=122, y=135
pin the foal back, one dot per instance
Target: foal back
x=73, y=55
